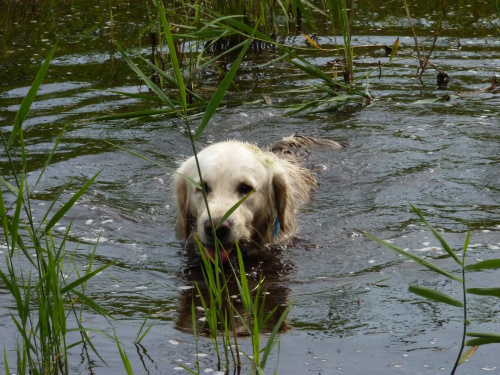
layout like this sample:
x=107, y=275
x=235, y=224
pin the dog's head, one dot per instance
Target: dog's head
x=230, y=171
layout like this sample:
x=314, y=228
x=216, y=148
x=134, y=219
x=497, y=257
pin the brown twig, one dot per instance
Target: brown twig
x=421, y=61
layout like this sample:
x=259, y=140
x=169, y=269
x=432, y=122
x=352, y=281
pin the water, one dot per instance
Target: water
x=351, y=311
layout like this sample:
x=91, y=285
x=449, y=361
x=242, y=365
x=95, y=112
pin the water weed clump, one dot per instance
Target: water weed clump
x=46, y=288
x=435, y=295
x=186, y=46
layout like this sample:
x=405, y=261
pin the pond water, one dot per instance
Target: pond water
x=351, y=311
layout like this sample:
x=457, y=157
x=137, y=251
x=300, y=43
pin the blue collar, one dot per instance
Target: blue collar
x=276, y=228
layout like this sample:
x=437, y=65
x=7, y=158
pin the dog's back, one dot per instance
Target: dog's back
x=291, y=147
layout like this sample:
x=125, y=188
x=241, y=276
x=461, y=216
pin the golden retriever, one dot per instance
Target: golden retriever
x=232, y=170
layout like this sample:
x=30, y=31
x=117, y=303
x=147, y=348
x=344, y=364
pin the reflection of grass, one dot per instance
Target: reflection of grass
x=48, y=306
x=434, y=295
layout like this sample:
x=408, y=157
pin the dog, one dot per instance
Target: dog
x=274, y=183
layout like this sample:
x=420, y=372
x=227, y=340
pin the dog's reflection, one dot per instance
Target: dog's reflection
x=266, y=267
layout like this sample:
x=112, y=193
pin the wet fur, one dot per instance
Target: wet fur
x=281, y=186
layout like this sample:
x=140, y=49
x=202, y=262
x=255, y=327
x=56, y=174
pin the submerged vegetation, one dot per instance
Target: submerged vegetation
x=44, y=279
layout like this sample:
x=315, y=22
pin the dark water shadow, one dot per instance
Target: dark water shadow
x=266, y=264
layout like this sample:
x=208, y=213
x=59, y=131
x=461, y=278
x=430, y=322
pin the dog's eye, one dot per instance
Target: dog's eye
x=244, y=189
x=206, y=187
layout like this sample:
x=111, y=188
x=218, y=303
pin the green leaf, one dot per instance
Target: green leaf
x=232, y=209
x=416, y=259
x=186, y=178
x=222, y=89
x=71, y=286
x=30, y=97
x=272, y=337
x=394, y=49
x=441, y=240
x=173, y=54
x=138, y=114
x=47, y=162
x=93, y=305
x=123, y=355
x=484, y=265
x=9, y=186
x=145, y=78
x=435, y=295
x=482, y=341
x=65, y=208
x=494, y=292
x=489, y=337
x=15, y=219
x=467, y=355
x=170, y=79
x=7, y=371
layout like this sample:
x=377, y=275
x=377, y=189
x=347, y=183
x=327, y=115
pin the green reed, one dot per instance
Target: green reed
x=220, y=312
x=435, y=295
x=41, y=276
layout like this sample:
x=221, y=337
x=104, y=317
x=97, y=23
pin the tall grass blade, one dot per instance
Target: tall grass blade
x=492, y=336
x=482, y=341
x=394, y=49
x=435, y=295
x=138, y=114
x=271, y=341
x=484, y=265
x=123, y=355
x=30, y=97
x=9, y=186
x=49, y=158
x=15, y=219
x=416, y=259
x=244, y=289
x=186, y=178
x=222, y=89
x=139, y=337
x=232, y=209
x=71, y=286
x=65, y=208
x=84, y=332
x=93, y=305
x=158, y=91
x=171, y=80
x=496, y=5
x=7, y=371
x=55, y=200
x=173, y=55
x=494, y=292
x=441, y=240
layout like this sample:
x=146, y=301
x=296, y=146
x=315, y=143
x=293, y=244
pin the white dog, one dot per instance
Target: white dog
x=230, y=171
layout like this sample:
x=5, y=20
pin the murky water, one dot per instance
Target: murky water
x=442, y=156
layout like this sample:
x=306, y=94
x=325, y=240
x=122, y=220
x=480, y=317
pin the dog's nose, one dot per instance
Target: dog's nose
x=222, y=232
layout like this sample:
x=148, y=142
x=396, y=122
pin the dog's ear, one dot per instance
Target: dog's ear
x=284, y=203
x=184, y=216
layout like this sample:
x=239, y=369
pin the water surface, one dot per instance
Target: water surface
x=351, y=311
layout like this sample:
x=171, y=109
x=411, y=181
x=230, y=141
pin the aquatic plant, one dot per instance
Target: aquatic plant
x=435, y=295
x=220, y=312
x=191, y=38
x=41, y=276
